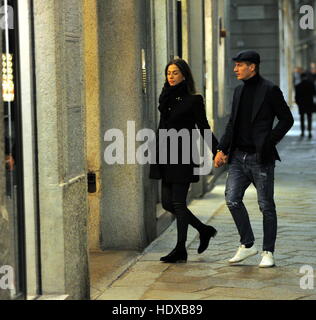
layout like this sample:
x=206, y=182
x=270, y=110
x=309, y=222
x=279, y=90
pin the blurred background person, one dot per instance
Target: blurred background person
x=312, y=72
x=304, y=93
x=297, y=75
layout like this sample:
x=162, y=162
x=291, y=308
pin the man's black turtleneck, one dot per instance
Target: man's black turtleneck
x=243, y=130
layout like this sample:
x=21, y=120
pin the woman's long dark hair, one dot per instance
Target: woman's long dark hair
x=186, y=72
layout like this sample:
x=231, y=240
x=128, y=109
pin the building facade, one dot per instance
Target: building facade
x=305, y=35
x=81, y=69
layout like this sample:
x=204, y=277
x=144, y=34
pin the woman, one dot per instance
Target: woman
x=181, y=108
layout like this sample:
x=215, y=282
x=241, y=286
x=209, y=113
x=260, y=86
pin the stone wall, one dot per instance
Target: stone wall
x=126, y=220
x=255, y=25
x=61, y=147
x=92, y=86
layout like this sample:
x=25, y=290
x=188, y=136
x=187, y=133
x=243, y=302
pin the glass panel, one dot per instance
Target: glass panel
x=12, y=201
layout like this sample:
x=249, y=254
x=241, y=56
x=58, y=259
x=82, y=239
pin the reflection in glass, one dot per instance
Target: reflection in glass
x=11, y=166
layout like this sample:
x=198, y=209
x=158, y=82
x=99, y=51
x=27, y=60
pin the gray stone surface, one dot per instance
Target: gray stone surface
x=62, y=174
x=125, y=193
x=75, y=164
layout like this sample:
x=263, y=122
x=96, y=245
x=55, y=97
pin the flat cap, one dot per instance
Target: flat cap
x=248, y=55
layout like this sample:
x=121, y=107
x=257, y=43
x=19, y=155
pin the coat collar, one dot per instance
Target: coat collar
x=259, y=96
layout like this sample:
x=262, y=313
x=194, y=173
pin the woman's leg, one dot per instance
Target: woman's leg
x=183, y=214
x=309, y=124
x=168, y=194
x=302, y=124
x=174, y=198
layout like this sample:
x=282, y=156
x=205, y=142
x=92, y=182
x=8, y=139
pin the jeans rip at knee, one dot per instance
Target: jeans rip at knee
x=231, y=204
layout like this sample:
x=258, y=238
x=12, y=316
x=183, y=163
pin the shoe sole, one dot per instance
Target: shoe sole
x=267, y=266
x=232, y=262
x=177, y=261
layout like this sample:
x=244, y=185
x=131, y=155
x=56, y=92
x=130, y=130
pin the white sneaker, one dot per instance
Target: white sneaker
x=267, y=260
x=243, y=253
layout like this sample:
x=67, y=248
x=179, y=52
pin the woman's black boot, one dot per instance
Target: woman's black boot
x=205, y=235
x=176, y=255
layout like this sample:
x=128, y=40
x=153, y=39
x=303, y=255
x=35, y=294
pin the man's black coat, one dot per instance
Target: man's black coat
x=268, y=104
x=304, y=94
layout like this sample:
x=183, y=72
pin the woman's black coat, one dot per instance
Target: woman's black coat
x=184, y=111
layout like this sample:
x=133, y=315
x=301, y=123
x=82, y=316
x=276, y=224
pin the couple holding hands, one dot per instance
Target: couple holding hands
x=247, y=146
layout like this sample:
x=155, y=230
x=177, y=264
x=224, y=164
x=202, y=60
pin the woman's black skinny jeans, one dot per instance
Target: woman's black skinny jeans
x=174, y=197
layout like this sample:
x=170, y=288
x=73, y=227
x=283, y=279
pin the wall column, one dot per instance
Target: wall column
x=126, y=220
x=61, y=147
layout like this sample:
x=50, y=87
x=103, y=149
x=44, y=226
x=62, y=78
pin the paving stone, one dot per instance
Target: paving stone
x=303, y=260
x=95, y=293
x=223, y=297
x=129, y=293
x=193, y=269
x=308, y=297
x=177, y=277
x=149, y=266
x=284, y=263
x=197, y=285
x=250, y=272
x=274, y=293
x=234, y=283
x=153, y=294
x=140, y=278
x=152, y=256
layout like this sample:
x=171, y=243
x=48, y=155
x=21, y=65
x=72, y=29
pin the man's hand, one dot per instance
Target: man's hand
x=220, y=159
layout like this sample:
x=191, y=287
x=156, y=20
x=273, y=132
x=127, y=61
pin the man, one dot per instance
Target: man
x=312, y=77
x=312, y=72
x=297, y=75
x=304, y=94
x=248, y=145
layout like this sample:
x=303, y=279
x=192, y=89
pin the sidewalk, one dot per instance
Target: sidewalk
x=208, y=276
